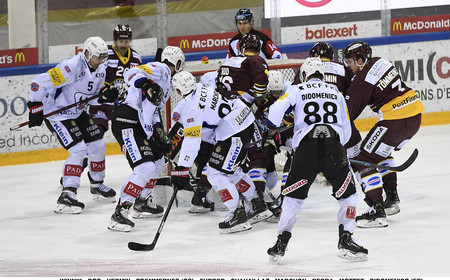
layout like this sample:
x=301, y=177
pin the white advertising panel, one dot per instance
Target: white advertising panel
x=296, y=8
x=58, y=53
x=330, y=32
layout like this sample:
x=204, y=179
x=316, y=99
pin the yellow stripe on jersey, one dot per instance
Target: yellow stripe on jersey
x=192, y=131
x=145, y=68
x=122, y=58
x=56, y=76
x=404, y=106
x=283, y=97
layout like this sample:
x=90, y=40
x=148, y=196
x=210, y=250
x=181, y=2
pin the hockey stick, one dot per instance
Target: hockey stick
x=398, y=168
x=135, y=246
x=82, y=101
x=264, y=139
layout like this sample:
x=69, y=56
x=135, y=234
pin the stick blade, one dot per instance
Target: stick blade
x=409, y=161
x=134, y=246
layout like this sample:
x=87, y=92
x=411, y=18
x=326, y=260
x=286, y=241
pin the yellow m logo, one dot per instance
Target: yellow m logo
x=397, y=26
x=184, y=44
x=20, y=57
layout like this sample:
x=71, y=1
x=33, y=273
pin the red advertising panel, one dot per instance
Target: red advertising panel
x=205, y=42
x=420, y=24
x=19, y=57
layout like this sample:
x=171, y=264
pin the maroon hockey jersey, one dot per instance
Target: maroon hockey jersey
x=244, y=76
x=379, y=85
x=118, y=64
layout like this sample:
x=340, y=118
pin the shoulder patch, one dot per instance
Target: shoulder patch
x=56, y=76
x=34, y=86
x=176, y=116
x=145, y=68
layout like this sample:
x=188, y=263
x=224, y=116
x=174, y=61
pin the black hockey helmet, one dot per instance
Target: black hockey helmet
x=249, y=41
x=244, y=14
x=358, y=49
x=322, y=50
x=122, y=31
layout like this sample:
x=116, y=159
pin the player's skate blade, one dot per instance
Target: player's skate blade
x=276, y=259
x=349, y=255
x=260, y=217
x=65, y=209
x=119, y=227
x=195, y=209
x=237, y=228
x=392, y=210
x=377, y=223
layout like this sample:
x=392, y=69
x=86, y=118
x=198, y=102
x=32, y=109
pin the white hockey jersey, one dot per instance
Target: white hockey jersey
x=160, y=74
x=314, y=102
x=67, y=83
x=205, y=110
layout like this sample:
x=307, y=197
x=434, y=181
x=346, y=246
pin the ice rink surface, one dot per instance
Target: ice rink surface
x=34, y=241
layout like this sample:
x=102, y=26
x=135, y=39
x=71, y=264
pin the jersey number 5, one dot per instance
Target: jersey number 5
x=311, y=110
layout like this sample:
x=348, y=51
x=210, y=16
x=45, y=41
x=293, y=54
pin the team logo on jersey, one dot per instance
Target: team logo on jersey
x=176, y=116
x=56, y=76
x=294, y=187
x=34, y=87
x=218, y=149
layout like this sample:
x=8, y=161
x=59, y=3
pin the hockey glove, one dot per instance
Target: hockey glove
x=36, y=115
x=152, y=91
x=165, y=146
x=109, y=94
x=180, y=177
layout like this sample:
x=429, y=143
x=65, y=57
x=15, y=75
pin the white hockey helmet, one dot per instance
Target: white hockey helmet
x=175, y=56
x=311, y=66
x=276, y=82
x=183, y=83
x=96, y=46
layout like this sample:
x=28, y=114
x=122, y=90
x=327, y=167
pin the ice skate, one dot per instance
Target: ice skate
x=68, y=203
x=348, y=248
x=101, y=192
x=144, y=209
x=199, y=203
x=260, y=211
x=391, y=204
x=276, y=252
x=235, y=222
x=276, y=212
x=373, y=217
x=119, y=220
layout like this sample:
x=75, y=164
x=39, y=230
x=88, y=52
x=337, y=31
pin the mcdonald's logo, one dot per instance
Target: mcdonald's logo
x=184, y=44
x=20, y=57
x=397, y=26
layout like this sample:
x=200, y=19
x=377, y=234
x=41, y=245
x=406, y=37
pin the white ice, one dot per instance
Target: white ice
x=34, y=241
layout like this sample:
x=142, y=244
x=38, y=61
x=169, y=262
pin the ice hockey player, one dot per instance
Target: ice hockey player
x=244, y=22
x=261, y=159
x=232, y=121
x=321, y=128
x=246, y=77
x=72, y=80
x=136, y=126
x=378, y=84
x=199, y=183
x=120, y=58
